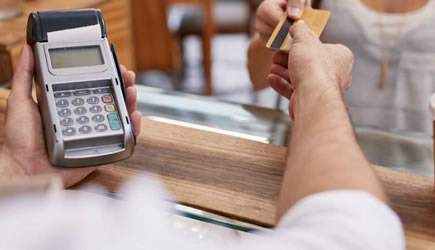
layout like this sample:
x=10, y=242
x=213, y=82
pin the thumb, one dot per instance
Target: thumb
x=23, y=76
x=295, y=8
x=302, y=34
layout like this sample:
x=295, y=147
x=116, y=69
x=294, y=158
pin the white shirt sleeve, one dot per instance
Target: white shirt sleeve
x=336, y=220
x=332, y=220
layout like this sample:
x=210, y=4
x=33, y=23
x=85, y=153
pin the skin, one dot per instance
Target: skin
x=24, y=152
x=323, y=152
x=268, y=15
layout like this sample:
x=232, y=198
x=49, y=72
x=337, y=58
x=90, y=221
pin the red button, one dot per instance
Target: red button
x=107, y=99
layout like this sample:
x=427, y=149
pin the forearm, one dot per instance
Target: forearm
x=259, y=63
x=323, y=153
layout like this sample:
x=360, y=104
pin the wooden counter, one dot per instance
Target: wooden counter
x=240, y=179
x=116, y=14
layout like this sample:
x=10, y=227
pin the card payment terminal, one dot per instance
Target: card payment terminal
x=80, y=90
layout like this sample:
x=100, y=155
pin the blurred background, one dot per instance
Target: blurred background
x=206, y=48
x=193, y=46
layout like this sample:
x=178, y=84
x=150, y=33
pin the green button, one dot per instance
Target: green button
x=113, y=117
x=115, y=125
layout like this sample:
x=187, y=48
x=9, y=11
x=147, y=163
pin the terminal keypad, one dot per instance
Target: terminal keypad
x=87, y=111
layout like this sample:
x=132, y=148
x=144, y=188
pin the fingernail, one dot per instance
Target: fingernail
x=295, y=12
x=301, y=21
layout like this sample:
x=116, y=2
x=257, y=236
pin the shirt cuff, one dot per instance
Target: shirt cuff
x=354, y=219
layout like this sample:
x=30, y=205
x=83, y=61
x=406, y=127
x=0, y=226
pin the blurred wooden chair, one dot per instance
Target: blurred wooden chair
x=159, y=44
x=154, y=45
x=206, y=30
x=223, y=16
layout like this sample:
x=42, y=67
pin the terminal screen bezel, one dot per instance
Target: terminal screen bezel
x=76, y=70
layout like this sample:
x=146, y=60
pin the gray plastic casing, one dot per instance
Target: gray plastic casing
x=87, y=150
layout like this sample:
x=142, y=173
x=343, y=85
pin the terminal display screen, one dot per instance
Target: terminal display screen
x=76, y=57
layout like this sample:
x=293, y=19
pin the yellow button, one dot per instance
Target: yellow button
x=110, y=108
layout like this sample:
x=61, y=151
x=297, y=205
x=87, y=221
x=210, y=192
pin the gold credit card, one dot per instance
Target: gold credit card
x=281, y=40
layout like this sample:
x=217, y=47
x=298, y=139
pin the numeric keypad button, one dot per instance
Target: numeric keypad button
x=82, y=120
x=93, y=100
x=67, y=122
x=85, y=129
x=78, y=102
x=100, y=127
x=107, y=99
x=64, y=113
x=95, y=109
x=62, y=94
x=98, y=118
x=80, y=111
x=102, y=91
x=82, y=92
x=114, y=121
x=110, y=108
x=62, y=103
x=69, y=131
x=113, y=117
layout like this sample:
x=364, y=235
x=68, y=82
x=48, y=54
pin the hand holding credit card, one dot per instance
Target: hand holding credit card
x=280, y=38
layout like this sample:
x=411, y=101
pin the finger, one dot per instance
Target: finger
x=343, y=52
x=264, y=38
x=123, y=68
x=136, y=118
x=23, y=76
x=280, y=71
x=280, y=85
x=265, y=30
x=129, y=78
x=295, y=8
x=271, y=12
x=280, y=58
x=291, y=107
x=308, y=4
x=302, y=34
x=131, y=94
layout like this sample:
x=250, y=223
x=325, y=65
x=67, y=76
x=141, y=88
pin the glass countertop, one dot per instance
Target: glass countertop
x=255, y=123
x=404, y=151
